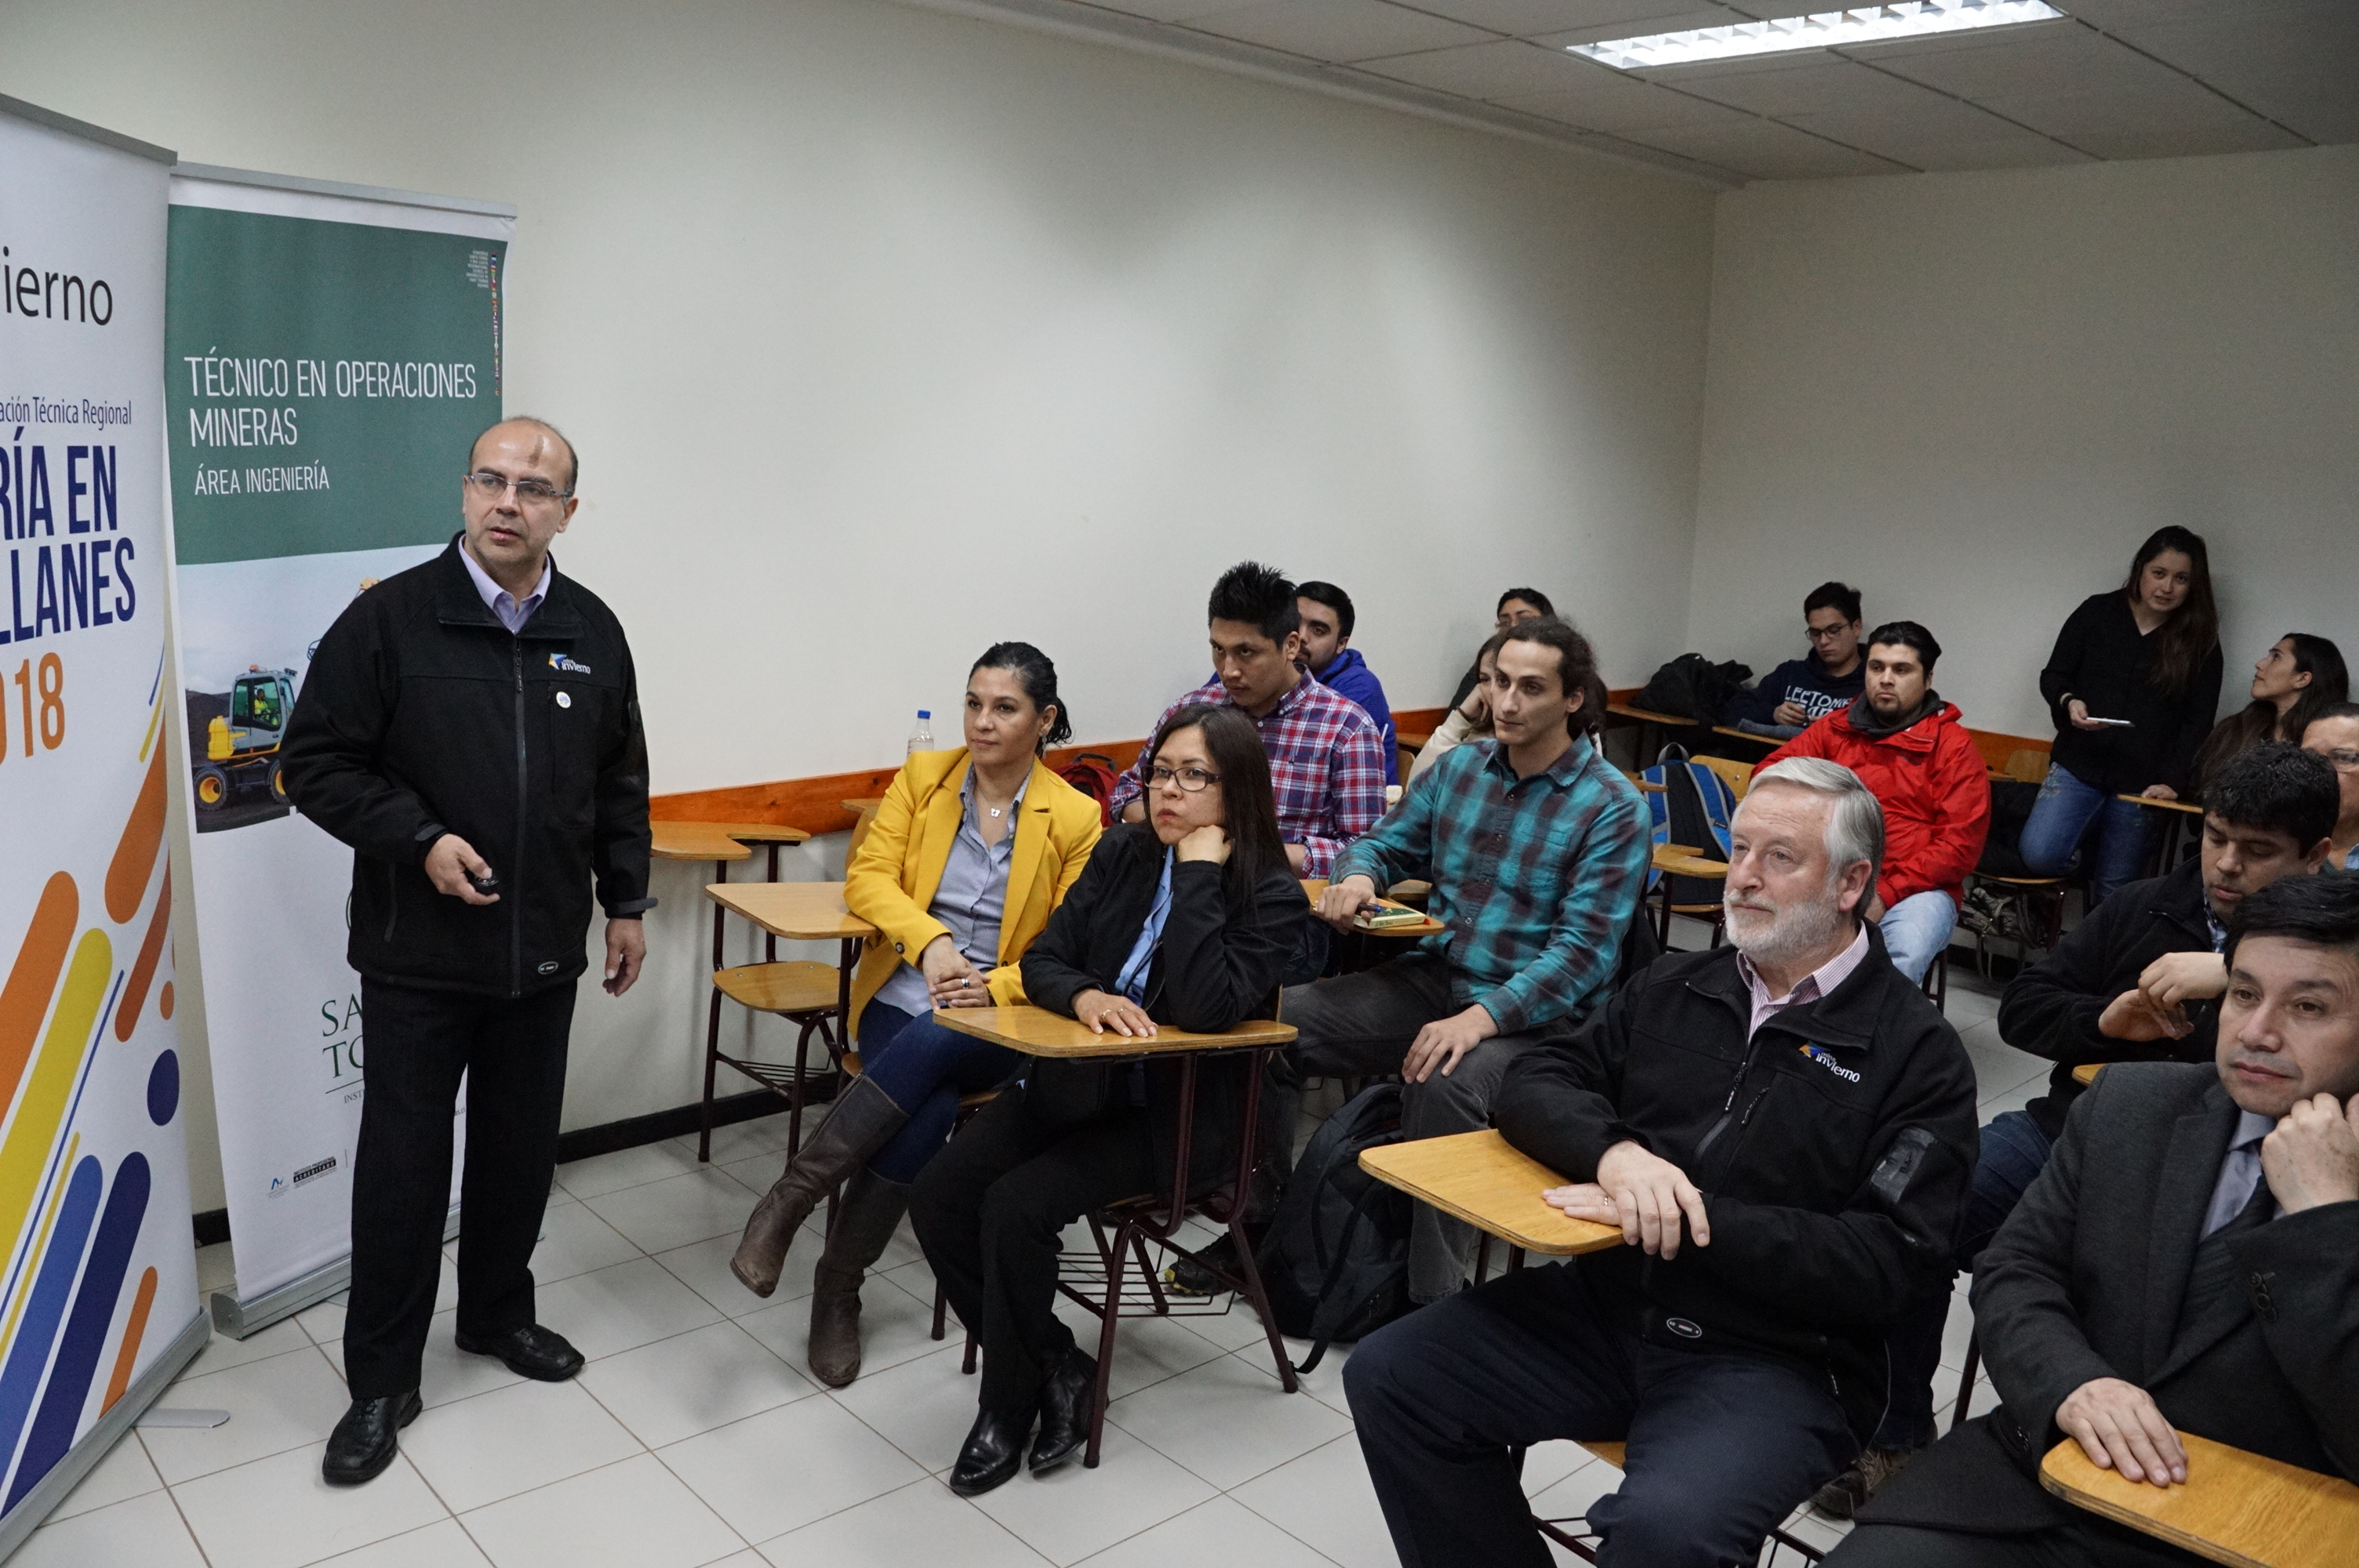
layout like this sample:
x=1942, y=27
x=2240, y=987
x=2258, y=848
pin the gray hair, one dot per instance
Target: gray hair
x=1854, y=828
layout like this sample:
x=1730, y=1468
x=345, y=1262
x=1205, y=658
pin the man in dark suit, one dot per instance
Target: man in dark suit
x=2138, y=980
x=2189, y=1261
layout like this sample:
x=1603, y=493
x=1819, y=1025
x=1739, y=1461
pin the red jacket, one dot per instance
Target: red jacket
x=1933, y=785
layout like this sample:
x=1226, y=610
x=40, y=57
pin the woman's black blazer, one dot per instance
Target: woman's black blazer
x=1214, y=968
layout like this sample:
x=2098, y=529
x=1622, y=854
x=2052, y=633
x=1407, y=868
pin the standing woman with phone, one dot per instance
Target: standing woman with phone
x=2133, y=682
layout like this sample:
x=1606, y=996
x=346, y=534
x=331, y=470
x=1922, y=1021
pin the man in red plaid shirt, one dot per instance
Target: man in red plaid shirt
x=1326, y=755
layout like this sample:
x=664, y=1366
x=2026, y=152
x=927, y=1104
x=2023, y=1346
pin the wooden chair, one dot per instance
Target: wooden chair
x=1686, y=860
x=2039, y=903
x=1737, y=774
x=2026, y=766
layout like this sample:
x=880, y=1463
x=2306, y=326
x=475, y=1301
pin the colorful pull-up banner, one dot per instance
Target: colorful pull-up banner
x=332, y=352
x=98, y=1290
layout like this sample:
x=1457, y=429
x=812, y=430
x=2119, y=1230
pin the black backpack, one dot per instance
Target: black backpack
x=1692, y=686
x=1335, y=1261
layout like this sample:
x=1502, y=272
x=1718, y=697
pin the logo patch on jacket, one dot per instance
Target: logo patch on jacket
x=1826, y=1058
x=565, y=664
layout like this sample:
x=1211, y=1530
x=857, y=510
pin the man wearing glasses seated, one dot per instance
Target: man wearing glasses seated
x=471, y=728
x=2333, y=733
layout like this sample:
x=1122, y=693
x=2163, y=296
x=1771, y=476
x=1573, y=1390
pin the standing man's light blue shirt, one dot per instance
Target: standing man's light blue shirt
x=499, y=601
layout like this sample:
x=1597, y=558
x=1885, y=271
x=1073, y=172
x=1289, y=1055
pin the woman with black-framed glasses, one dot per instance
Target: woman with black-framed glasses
x=1187, y=920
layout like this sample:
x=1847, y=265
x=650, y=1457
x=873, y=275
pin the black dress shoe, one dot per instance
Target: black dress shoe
x=367, y=1438
x=531, y=1351
x=993, y=1449
x=1065, y=1412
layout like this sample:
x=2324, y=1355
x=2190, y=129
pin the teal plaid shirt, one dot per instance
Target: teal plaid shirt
x=1536, y=877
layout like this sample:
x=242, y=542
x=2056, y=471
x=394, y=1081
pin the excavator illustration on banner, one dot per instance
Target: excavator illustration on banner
x=241, y=762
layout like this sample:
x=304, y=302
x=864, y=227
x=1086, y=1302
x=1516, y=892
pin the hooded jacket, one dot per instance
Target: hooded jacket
x=1931, y=780
x=422, y=715
x=1347, y=674
x=1834, y=1147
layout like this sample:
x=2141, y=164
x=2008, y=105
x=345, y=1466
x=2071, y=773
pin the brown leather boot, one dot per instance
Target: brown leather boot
x=864, y=1120
x=866, y=1217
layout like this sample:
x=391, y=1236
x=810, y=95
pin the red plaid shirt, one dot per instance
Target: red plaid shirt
x=1326, y=767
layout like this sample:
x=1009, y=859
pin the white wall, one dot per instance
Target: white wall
x=886, y=334
x=1973, y=395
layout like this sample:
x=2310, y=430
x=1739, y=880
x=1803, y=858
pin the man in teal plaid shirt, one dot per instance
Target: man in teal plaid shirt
x=1538, y=848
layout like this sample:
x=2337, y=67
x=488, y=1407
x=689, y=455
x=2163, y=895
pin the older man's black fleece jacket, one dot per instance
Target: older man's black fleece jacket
x=1834, y=1149
x=421, y=715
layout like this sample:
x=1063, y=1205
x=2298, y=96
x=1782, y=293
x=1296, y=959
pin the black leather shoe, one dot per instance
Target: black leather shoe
x=1065, y=1412
x=531, y=1351
x=367, y=1438
x=993, y=1449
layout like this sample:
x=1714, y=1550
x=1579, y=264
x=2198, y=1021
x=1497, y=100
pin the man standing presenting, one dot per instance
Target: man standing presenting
x=471, y=728
x=1906, y=745
x=1327, y=652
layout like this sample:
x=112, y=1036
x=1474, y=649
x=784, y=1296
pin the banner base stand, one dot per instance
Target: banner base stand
x=237, y=1318
x=109, y=1429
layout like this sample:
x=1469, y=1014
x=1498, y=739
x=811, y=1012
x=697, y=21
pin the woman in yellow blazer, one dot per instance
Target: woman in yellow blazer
x=970, y=851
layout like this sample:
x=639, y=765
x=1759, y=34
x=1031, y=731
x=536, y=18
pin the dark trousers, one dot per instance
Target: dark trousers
x=2095, y=1544
x=1362, y=1025
x=420, y=1042
x=2014, y=1150
x=1720, y=1447
x=924, y=1068
x=989, y=1210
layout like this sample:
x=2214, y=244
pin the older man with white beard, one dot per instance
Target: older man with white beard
x=1784, y=1129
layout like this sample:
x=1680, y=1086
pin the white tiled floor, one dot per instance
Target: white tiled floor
x=693, y=1437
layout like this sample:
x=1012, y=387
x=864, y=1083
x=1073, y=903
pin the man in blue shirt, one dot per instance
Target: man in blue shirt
x=1801, y=692
x=1327, y=650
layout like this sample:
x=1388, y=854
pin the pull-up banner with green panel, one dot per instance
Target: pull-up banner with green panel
x=329, y=354
x=98, y=1289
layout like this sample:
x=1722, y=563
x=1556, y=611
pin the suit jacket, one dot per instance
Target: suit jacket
x=892, y=882
x=2087, y=1280
x=1218, y=965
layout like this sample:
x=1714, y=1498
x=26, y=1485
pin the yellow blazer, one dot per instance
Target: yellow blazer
x=891, y=882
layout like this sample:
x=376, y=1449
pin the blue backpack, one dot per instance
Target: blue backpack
x=1692, y=807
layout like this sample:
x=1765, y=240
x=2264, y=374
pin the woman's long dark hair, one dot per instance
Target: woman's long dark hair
x=2188, y=636
x=2330, y=683
x=1037, y=676
x=1234, y=747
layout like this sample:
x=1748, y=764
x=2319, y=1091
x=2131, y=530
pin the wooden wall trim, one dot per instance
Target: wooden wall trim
x=815, y=805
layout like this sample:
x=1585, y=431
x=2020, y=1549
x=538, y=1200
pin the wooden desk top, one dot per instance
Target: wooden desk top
x=1676, y=859
x=1649, y=717
x=1769, y=741
x=695, y=841
x=1414, y=740
x=1037, y=1032
x=1480, y=1178
x=2186, y=806
x=800, y=912
x=2235, y=1507
x=762, y=832
x=2086, y=1073
x=1313, y=886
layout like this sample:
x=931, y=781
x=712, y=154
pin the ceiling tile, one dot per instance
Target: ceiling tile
x=1489, y=70
x=2053, y=57
x=1764, y=150
x=1162, y=10
x=1602, y=18
x=2165, y=139
x=2297, y=63
x=1823, y=86
x=2168, y=102
x=1338, y=29
x=1944, y=133
x=1624, y=105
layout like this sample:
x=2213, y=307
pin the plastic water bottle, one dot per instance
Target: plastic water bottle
x=921, y=738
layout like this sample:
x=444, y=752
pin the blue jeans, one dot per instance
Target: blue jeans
x=2014, y=1151
x=924, y=1068
x=2065, y=813
x=1916, y=930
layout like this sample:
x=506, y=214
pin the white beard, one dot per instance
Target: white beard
x=1790, y=933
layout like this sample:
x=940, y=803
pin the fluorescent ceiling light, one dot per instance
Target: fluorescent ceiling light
x=1827, y=30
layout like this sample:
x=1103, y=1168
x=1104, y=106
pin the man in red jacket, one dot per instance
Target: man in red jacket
x=1906, y=745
